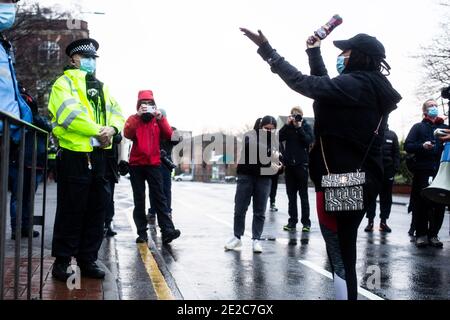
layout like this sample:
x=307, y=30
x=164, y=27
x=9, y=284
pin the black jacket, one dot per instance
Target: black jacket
x=347, y=111
x=419, y=134
x=391, y=153
x=112, y=158
x=255, y=154
x=168, y=144
x=295, y=143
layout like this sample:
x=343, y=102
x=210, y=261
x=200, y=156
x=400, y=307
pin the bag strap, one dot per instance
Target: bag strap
x=376, y=133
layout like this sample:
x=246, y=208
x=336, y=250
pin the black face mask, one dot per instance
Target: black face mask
x=147, y=117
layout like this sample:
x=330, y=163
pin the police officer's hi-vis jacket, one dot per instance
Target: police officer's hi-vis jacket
x=74, y=119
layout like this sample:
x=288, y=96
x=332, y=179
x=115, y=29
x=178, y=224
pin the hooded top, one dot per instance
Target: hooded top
x=347, y=111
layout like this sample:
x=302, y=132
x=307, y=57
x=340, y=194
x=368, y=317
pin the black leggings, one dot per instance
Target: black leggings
x=339, y=232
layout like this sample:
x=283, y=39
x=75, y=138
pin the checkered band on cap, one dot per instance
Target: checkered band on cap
x=84, y=48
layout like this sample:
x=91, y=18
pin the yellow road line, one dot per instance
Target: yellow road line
x=159, y=283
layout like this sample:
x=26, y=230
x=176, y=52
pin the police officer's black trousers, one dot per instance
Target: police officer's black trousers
x=83, y=194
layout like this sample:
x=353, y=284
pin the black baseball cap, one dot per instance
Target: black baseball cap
x=368, y=45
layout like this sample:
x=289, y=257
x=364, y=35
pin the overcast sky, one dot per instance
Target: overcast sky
x=207, y=75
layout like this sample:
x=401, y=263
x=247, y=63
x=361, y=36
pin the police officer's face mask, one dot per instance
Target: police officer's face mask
x=7, y=15
x=88, y=64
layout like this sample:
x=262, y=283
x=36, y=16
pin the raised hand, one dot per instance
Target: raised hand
x=257, y=38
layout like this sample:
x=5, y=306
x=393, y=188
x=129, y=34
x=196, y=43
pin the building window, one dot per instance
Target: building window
x=49, y=51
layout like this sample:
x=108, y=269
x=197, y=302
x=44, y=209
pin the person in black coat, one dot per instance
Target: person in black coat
x=166, y=146
x=258, y=162
x=427, y=216
x=296, y=138
x=391, y=164
x=41, y=146
x=112, y=175
x=348, y=111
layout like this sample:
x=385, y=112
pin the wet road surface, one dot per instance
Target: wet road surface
x=292, y=266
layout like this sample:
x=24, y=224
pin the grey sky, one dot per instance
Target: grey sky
x=207, y=75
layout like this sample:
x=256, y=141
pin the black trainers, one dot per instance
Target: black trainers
x=384, y=227
x=109, y=232
x=435, y=242
x=91, y=270
x=151, y=219
x=24, y=234
x=369, y=227
x=273, y=208
x=169, y=237
x=142, y=239
x=59, y=271
x=290, y=227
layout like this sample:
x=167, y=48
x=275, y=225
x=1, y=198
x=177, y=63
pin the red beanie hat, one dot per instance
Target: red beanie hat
x=144, y=95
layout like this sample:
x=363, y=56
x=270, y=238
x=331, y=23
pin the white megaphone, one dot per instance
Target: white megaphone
x=439, y=189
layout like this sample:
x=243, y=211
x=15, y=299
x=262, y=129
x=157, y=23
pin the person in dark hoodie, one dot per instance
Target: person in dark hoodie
x=145, y=129
x=391, y=164
x=348, y=110
x=258, y=162
x=427, y=215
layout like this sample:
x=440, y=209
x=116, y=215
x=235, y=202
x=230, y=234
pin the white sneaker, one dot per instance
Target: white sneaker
x=257, y=246
x=233, y=244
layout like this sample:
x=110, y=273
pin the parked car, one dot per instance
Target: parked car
x=230, y=179
x=184, y=177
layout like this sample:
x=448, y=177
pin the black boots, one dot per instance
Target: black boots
x=170, y=236
x=59, y=270
x=24, y=234
x=109, y=232
x=91, y=270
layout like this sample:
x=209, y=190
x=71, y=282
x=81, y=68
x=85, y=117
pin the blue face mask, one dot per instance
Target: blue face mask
x=340, y=64
x=433, y=112
x=88, y=64
x=7, y=15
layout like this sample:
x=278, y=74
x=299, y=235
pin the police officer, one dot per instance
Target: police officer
x=11, y=101
x=85, y=119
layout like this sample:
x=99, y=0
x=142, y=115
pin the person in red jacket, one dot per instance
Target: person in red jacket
x=145, y=129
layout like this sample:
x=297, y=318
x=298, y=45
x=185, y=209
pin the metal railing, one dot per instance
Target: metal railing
x=5, y=147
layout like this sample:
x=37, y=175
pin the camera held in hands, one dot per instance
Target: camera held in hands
x=445, y=93
x=166, y=161
x=297, y=117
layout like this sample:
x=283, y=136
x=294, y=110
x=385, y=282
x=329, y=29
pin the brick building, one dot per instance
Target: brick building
x=40, y=45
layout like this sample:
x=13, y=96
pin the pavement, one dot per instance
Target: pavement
x=293, y=266
x=89, y=289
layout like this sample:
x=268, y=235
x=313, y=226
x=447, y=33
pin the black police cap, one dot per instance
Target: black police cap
x=87, y=47
x=368, y=45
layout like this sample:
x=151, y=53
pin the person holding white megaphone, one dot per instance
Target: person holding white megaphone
x=423, y=142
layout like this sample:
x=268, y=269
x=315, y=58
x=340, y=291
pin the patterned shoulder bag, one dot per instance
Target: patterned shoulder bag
x=344, y=191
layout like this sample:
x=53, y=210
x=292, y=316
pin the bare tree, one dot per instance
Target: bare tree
x=30, y=41
x=436, y=57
